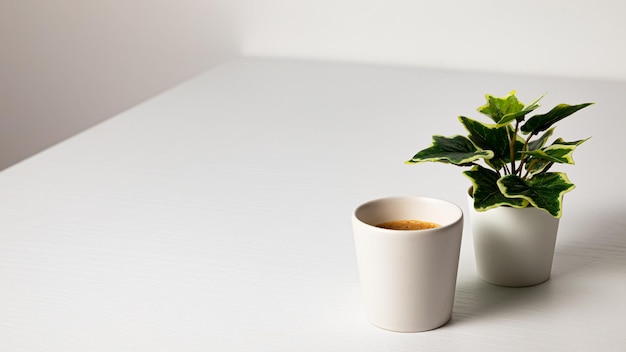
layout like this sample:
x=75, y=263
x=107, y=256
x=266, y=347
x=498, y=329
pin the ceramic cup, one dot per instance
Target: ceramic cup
x=408, y=277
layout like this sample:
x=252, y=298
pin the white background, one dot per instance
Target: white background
x=68, y=64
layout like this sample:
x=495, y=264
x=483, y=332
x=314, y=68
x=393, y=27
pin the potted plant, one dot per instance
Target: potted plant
x=516, y=199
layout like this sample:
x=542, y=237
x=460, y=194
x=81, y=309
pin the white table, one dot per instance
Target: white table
x=216, y=217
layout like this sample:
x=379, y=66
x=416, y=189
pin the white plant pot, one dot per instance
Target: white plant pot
x=513, y=246
x=408, y=278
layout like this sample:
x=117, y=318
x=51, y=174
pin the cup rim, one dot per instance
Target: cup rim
x=458, y=219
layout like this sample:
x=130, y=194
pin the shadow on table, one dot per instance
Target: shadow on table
x=586, y=249
x=591, y=245
x=479, y=299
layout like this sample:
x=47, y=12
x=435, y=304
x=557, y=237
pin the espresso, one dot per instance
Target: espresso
x=408, y=225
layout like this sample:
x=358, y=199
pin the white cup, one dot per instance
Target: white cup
x=408, y=277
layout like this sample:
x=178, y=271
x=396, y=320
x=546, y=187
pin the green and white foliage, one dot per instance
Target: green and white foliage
x=510, y=157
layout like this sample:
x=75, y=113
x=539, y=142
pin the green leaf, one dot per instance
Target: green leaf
x=559, y=152
x=497, y=108
x=541, y=141
x=458, y=150
x=575, y=143
x=544, y=191
x=489, y=137
x=542, y=122
x=519, y=116
x=536, y=166
x=486, y=193
x=554, y=154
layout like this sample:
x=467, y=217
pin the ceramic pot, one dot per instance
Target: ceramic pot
x=408, y=277
x=513, y=246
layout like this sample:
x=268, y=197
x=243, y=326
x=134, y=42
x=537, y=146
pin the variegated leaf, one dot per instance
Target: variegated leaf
x=457, y=150
x=559, y=152
x=519, y=116
x=497, y=108
x=489, y=137
x=544, y=191
x=556, y=154
x=536, y=166
x=541, y=141
x=486, y=193
x=575, y=143
x=542, y=122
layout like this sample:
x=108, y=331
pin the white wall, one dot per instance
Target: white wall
x=554, y=37
x=68, y=64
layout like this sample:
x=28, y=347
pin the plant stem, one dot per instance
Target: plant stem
x=525, y=148
x=512, y=145
x=530, y=166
